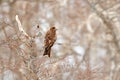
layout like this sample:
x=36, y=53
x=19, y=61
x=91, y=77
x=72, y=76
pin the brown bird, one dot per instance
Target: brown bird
x=49, y=41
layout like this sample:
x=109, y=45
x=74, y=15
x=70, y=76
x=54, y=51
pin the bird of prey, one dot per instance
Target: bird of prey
x=49, y=41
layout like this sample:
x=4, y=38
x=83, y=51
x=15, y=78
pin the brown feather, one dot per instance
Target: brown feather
x=49, y=41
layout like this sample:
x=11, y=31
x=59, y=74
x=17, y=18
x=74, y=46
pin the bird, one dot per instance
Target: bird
x=50, y=39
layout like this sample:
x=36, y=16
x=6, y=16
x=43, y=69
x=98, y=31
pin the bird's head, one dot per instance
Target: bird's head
x=53, y=29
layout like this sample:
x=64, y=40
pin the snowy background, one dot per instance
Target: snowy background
x=87, y=46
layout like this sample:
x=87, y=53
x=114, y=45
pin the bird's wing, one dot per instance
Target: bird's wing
x=47, y=38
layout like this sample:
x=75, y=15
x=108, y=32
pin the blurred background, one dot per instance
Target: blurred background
x=87, y=46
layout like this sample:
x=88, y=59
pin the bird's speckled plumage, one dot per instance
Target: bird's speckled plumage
x=49, y=41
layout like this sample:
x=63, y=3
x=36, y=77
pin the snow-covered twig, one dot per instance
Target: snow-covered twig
x=20, y=26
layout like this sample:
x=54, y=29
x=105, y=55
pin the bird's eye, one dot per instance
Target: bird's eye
x=53, y=28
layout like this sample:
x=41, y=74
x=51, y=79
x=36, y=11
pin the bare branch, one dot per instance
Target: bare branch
x=20, y=26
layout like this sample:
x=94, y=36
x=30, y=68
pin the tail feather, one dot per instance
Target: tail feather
x=47, y=52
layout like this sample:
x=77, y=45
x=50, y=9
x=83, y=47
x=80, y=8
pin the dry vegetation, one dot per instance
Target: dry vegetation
x=87, y=46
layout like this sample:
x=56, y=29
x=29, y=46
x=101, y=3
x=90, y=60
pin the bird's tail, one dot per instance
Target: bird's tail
x=47, y=51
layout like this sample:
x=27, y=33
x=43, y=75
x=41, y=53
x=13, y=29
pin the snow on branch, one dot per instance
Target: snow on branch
x=20, y=26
